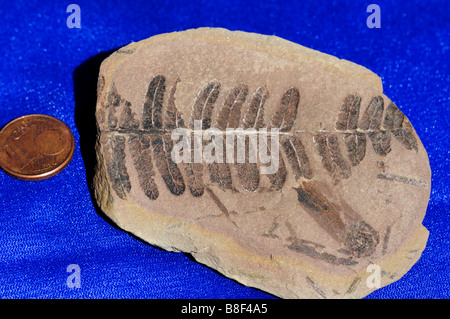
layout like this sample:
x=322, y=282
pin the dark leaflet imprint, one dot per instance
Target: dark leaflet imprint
x=328, y=147
x=162, y=148
x=161, y=144
x=140, y=149
x=248, y=173
x=283, y=119
x=202, y=111
x=116, y=169
x=397, y=123
x=193, y=171
x=152, y=111
x=229, y=115
x=373, y=125
x=348, y=121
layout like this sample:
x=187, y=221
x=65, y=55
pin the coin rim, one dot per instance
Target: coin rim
x=50, y=173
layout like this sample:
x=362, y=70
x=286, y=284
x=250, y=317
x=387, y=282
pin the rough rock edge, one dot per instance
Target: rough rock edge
x=298, y=280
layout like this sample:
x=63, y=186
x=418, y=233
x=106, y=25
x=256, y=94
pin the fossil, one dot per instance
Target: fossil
x=352, y=179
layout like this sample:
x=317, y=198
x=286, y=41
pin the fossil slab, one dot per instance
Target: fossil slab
x=333, y=210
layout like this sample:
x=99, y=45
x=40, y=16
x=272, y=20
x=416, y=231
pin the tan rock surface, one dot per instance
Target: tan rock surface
x=353, y=179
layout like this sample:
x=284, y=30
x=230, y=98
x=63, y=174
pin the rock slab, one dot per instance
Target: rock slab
x=334, y=210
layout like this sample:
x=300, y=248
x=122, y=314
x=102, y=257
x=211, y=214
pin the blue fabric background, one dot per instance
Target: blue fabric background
x=50, y=69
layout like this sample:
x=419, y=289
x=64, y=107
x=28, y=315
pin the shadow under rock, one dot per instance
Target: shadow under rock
x=85, y=79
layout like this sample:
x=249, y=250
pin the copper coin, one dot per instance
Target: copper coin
x=35, y=147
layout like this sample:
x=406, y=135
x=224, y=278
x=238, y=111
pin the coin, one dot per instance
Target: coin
x=35, y=147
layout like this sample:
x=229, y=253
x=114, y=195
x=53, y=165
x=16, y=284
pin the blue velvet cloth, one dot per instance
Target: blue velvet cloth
x=51, y=69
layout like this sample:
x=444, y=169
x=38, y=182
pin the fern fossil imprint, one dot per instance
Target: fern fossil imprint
x=151, y=145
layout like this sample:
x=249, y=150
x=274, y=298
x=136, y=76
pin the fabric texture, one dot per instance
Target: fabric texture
x=49, y=68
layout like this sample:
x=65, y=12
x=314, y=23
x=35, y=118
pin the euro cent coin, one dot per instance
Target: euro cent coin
x=35, y=147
